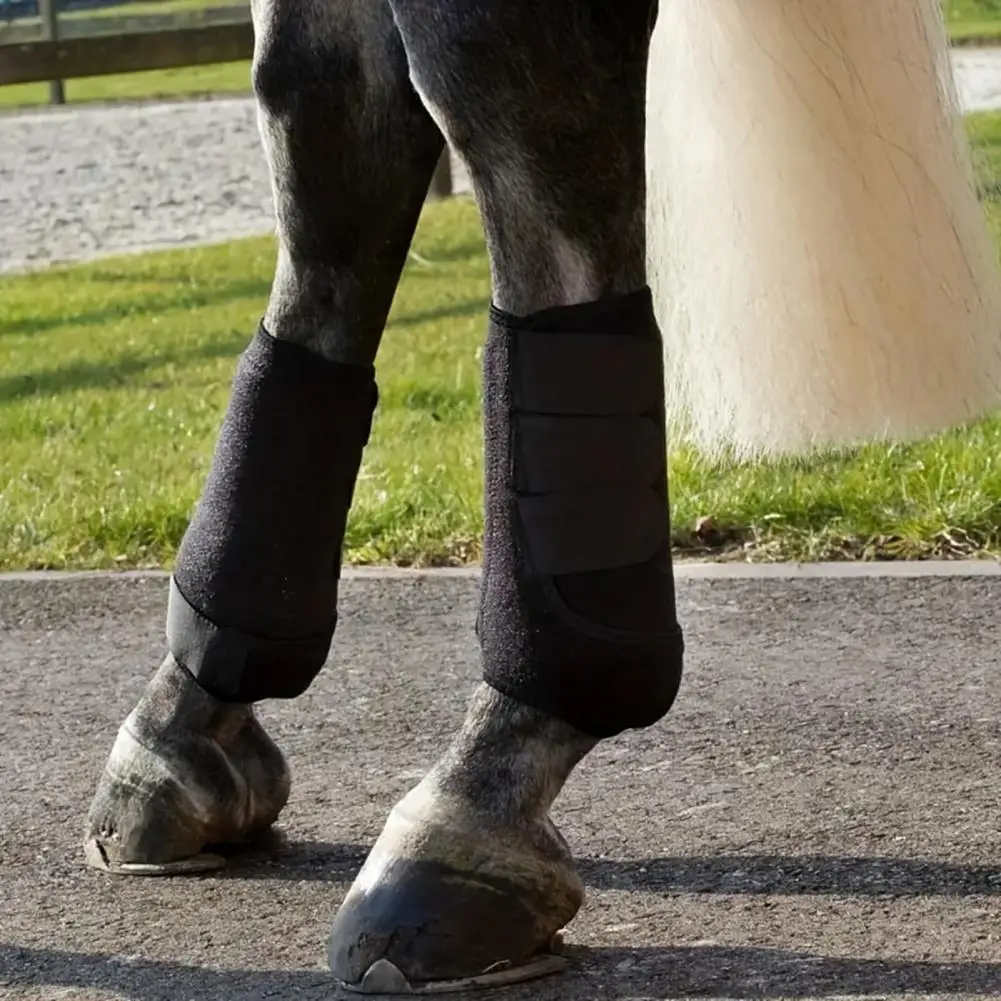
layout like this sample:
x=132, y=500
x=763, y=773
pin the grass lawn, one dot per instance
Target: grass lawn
x=114, y=377
x=973, y=20
x=970, y=21
x=193, y=81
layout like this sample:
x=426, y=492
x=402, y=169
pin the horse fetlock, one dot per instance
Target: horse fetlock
x=470, y=882
x=449, y=894
x=185, y=772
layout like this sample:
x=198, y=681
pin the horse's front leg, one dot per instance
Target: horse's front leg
x=545, y=102
x=253, y=595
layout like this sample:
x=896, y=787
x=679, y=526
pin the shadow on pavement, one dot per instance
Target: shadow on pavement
x=795, y=875
x=697, y=971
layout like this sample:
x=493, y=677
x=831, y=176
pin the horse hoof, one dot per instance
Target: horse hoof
x=96, y=856
x=449, y=899
x=185, y=772
x=384, y=978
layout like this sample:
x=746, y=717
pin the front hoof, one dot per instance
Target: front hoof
x=385, y=978
x=146, y=818
x=448, y=900
x=185, y=773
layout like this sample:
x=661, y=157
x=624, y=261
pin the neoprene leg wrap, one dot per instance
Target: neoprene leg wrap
x=253, y=597
x=577, y=614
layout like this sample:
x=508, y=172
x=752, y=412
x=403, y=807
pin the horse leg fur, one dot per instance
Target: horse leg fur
x=470, y=882
x=252, y=609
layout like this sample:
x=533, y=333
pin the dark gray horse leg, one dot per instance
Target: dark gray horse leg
x=253, y=595
x=546, y=103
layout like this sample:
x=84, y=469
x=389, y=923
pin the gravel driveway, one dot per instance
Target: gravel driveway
x=93, y=181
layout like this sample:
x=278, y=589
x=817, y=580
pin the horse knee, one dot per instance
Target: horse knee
x=288, y=69
x=346, y=57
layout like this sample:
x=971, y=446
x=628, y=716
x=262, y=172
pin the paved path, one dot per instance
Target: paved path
x=88, y=182
x=818, y=817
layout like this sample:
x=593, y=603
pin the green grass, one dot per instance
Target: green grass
x=973, y=20
x=194, y=81
x=114, y=377
x=133, y=8
x=976, y=21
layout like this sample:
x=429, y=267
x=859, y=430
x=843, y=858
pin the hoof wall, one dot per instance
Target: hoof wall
x=382, y=977
x=97, y=858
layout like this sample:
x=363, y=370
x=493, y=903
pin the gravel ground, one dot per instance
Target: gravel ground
x=94, y=181
x=978, y=77
x=88, y=182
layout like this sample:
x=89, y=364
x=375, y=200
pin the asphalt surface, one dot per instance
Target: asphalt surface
x=817, y=817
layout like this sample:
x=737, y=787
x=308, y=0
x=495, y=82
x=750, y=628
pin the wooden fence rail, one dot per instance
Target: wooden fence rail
x=100, y=55
x=33, y=30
